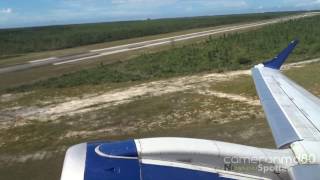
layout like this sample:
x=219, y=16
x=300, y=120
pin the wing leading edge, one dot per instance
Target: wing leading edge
x=292, y=112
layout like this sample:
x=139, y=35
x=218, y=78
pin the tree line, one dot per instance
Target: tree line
x=15, y=42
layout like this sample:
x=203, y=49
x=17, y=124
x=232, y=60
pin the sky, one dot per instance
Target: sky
x=22, y=13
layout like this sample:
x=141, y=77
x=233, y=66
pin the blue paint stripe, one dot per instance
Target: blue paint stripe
x=122, y=148
x=102, y=168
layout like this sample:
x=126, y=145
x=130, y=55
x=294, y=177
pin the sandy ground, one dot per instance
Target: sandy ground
x=41, y=155
x=92, y=102
x=232, y=97
x=120, y=96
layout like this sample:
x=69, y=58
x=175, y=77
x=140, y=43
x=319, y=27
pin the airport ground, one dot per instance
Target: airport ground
x=39, y=122
x=211, y=106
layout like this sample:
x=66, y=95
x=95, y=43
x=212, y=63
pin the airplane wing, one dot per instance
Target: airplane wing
x=292, y=112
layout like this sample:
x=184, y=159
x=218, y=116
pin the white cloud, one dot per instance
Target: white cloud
x=6, y=11
x=114, y=9
x=223, y=3
x=78, y=11
x=303, y=3
x=142, y=1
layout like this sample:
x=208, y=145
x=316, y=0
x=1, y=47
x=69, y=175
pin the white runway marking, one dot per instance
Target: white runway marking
x=168, y=40
x=42, y=60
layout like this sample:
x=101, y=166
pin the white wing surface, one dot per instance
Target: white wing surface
x=292, y=112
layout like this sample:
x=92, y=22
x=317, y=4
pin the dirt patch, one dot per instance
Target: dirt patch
x=40, y=155
x=93, y=102
x=12, y=97
x=121, y=96
x=300, y=64
x=232, y=97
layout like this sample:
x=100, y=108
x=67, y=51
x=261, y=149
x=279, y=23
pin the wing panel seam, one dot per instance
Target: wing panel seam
x=281, y=108
x=301, y=110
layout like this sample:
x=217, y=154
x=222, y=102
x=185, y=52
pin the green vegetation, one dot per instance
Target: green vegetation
x=307, y=77
x=24, y=40
x=229, y=52
x=245, y=86
x=49, y=169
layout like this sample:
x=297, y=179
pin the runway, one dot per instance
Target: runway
x=93, y=54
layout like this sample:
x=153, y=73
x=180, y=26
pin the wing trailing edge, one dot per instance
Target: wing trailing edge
x=292, y=112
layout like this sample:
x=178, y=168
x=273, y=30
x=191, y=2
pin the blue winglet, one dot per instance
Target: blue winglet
x=278, y=61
